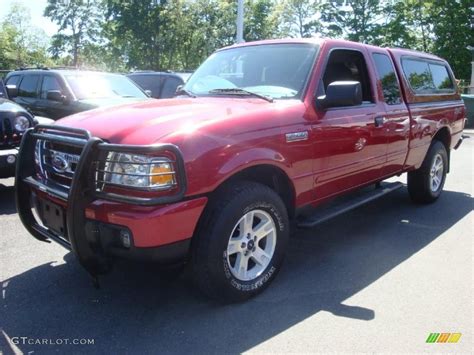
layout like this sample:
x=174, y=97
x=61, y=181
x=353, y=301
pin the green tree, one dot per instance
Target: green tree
x=300, y=18
x=399, y=29
x=452, y=31
x=192, y=30
x=21, y=44
x=134, y=28
x=177, y=34
x=260, y=21
x=356, y=20
x=79, y=27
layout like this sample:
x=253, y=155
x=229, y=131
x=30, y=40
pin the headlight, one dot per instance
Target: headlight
x=21, y=123
x=139, y=171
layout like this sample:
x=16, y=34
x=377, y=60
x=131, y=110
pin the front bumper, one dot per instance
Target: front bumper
x=8, y=158
x=94, y=219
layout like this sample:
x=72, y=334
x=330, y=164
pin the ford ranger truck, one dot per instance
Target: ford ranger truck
x=262, y=133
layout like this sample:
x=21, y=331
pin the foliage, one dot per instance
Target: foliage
x=453, y=31
x=180, y=34
x=79, y=24
x=300, y=18
x=20, y=43
x=356, y=20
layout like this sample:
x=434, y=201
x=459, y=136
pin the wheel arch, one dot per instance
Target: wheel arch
x=269, y=174
x=443, y=135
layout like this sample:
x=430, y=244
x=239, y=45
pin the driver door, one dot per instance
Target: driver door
x=350, y=144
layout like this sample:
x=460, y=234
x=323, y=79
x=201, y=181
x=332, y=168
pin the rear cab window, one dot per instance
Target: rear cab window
x=427, y=77
x=388, y=79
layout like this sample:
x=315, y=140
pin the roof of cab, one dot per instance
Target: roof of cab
x=321, y=41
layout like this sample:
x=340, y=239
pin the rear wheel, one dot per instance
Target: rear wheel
x=426, y=183
x=241, y=242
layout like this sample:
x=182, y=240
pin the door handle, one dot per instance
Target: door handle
x=380, y=121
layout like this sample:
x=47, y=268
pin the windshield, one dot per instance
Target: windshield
x=98, y=86
x=278, y=71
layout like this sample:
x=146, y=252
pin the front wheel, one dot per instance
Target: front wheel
x=426, y=183
x=241, y=242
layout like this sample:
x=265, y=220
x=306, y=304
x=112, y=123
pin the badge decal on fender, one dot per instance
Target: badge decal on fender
x=296, y=136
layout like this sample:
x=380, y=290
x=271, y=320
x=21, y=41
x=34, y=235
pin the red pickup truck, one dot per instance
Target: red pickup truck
x=260, y=135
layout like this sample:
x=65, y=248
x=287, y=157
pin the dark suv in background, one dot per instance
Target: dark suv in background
x=160, y=85
x=56, y=93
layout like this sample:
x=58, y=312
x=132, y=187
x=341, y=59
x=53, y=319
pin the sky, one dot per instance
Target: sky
x=36, y=11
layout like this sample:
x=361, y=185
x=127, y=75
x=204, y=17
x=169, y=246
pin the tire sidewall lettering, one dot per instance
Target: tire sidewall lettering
x=248, y=286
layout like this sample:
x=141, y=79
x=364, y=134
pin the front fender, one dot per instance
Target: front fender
x=252, y=157
x=208, y=171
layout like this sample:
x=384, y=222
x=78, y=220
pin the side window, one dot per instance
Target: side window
x=148, y=82
x=418, y=75
x=28, y=86
x=50, y=83
x=13, y=80
x=441, y=78
x=348, y=65
x=427, y=77
x=388, y=79
x=169, y=89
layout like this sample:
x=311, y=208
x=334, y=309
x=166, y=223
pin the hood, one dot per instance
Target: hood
x=111, y=101
x=151, y=121
x=43, y=120
x=9, y=106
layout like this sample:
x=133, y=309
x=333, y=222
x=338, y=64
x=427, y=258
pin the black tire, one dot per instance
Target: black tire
x=210, y=266
x=419, y=181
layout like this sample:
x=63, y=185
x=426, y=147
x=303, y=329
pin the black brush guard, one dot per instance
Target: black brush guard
x=83, y=189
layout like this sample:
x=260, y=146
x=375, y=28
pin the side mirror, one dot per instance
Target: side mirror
x=55, y=95
x=179, y=88
x=148, y=93
x=340, y=94
x=12, y=91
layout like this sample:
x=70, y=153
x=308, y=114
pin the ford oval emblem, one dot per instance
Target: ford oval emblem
x=60, y=164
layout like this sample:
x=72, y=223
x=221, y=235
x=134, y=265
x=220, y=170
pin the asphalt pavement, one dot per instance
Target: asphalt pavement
x=378, y=279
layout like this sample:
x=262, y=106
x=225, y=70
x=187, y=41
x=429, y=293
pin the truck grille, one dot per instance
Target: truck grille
x=57, y=162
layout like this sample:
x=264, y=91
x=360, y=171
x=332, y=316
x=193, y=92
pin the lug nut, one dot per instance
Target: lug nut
x=243, y=245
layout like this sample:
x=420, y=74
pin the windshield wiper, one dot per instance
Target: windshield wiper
x=183, y=91
x=239, y=91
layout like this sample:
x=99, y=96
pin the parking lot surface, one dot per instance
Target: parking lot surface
x=378, y=279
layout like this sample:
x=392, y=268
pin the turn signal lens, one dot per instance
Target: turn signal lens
x=162, y=174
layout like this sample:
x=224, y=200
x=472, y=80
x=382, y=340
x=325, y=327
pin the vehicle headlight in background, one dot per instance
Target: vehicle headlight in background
x=21, y=123
x=139, y=171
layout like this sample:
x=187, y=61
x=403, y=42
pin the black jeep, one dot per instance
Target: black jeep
x=14, y=121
